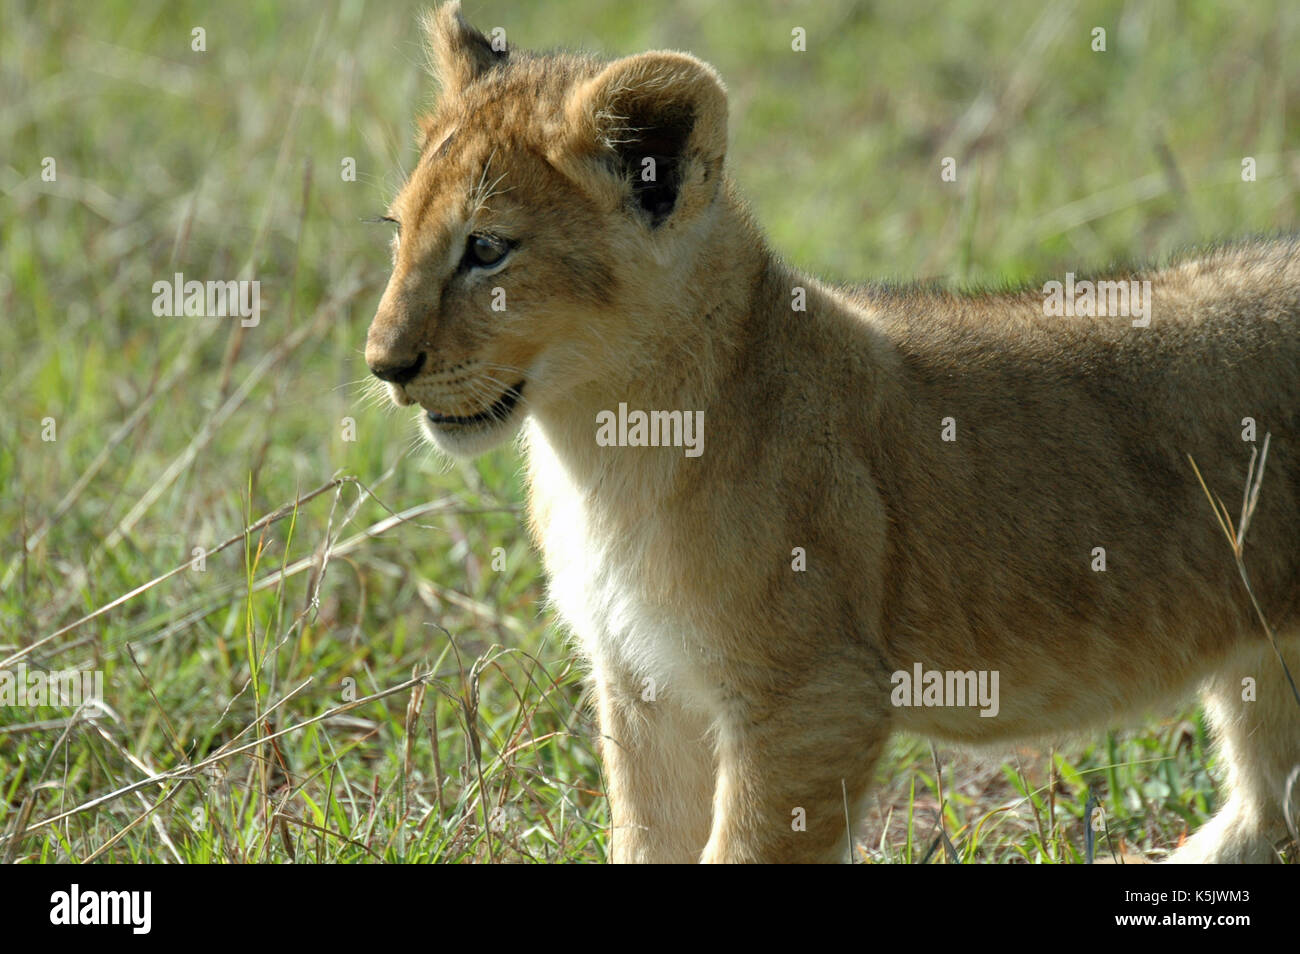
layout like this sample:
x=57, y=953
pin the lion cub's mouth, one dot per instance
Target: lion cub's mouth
x=495, y=414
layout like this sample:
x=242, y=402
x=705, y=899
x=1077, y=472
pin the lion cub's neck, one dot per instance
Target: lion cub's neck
x=685, y=352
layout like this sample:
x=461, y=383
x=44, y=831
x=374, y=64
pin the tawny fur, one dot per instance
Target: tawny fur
x=734, y=689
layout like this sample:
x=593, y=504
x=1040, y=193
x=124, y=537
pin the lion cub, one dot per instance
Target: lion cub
x=785, y=519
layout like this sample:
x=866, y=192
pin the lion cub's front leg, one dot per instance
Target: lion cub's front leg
x=793, y=771
x=658, y=758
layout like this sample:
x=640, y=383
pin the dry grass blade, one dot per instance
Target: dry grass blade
x=278, y=514
x=1237, y=541
x=187, y=771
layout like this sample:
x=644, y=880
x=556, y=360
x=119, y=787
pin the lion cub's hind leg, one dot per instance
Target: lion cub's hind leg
x=1259, y=748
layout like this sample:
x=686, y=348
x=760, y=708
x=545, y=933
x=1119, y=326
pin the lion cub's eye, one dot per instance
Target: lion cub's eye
x=484, y=251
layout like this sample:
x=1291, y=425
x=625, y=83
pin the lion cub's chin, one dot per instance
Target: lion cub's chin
x=470, y=440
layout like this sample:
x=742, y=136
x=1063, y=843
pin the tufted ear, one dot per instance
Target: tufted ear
x=458, y=53
x=655, y=128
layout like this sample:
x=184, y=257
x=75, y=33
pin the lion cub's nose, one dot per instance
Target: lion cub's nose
x=396, y=373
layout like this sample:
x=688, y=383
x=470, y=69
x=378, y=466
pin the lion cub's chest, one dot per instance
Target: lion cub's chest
x=596, y=583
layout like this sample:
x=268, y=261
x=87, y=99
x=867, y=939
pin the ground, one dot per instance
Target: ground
x=130, y=439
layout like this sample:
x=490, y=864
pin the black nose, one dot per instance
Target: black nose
x=398, y=374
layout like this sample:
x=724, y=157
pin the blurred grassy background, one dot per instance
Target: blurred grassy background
x=176, y=433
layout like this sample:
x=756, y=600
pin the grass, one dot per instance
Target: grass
x=259, y=703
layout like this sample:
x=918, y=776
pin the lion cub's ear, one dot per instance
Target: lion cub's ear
x=653, y=129
x=458, y=53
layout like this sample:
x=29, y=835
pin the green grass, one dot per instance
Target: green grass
x=261, y=709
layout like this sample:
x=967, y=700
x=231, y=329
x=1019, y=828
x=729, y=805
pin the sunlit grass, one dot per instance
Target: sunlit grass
x=260, y=702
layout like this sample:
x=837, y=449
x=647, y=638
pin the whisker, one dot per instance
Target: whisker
x=519, y=395
x=347, y=384
x=506, y=367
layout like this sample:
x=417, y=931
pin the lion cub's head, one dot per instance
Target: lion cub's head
x=558, y=205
